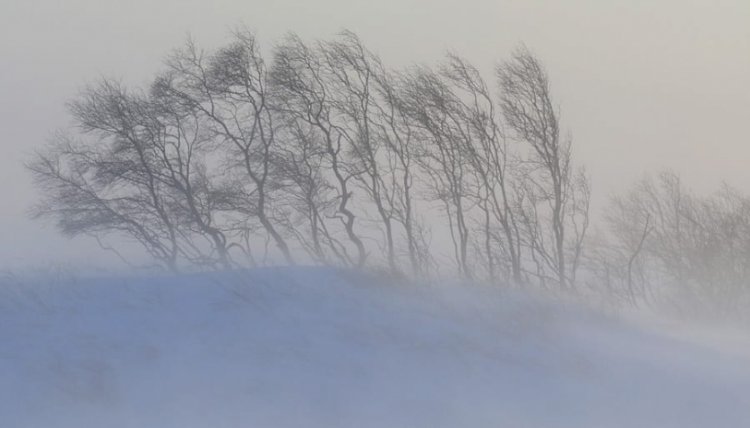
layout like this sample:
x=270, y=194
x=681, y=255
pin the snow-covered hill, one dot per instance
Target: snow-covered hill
x=310, y=347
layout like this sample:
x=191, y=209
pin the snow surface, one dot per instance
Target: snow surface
x=314, y=347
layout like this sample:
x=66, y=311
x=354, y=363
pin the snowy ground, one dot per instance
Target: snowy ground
x=315, y=348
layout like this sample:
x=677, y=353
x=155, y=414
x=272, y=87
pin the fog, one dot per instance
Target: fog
x=642, y=85
x=375, y=213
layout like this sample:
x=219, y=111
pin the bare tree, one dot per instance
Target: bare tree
x=231, y=92
x=134, y=175
x=394, y=127
x=353, y=71
x=302, y=78
x=548, y=178
x=300, y=164
x=433, y=109
x=323, y=151
x=695, y=247
x=488, y=158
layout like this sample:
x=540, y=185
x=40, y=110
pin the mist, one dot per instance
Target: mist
x=643, y=87
x=376, y=214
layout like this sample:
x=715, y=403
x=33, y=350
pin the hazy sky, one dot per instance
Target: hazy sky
x=642, y=84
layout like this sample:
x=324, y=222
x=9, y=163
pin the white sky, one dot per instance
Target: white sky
x=642, y=84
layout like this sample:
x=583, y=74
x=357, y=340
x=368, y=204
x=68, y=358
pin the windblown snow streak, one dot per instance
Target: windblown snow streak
x=319, y=348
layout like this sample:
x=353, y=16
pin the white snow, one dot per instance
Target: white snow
x=314, y=347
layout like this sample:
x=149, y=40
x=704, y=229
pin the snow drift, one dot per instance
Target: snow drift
x=313, y=347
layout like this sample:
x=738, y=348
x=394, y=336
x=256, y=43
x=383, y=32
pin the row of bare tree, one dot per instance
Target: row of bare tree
x=325, y=155
x=664, y=240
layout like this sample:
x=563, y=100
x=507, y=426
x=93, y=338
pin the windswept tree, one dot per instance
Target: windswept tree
x=670, y=242
x=327, y=155
x=352, y=77
x=138, y=170
x=464, y=152
x=394, y=127
x=363, y=95
x=554, y=198
x=230, y=91
x=300, y=165
x=432, y=108
x=488, y=161
x=302, y=76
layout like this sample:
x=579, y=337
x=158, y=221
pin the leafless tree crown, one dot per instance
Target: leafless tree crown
x=320, y=153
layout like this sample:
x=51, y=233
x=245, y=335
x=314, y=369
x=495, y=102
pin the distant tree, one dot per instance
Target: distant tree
x=669, y=241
